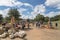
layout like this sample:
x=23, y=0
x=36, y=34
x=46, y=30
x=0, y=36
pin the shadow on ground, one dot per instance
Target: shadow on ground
x=28, y=29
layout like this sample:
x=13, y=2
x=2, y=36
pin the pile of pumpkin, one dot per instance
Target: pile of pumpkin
x=12, y=33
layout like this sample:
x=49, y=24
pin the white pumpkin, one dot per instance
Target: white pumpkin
x=16, y=34
x=21, y=33
x=9, y=31
x=11, y=36
x=3, y=35
x=0, y=36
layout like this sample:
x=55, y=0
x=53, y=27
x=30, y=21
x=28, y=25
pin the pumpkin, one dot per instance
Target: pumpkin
x=21, y=34
x=16, y=34
x=11, y=36
x=3, y=35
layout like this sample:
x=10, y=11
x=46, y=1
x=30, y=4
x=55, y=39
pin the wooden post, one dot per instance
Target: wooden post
x=12, y=22
x=49, y=23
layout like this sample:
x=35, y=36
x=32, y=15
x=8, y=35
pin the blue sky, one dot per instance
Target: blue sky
x=30, y=8
x=33, y=2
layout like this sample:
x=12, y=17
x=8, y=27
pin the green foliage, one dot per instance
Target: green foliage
x=15, y=13
x=1, y=18
x=46, y=19
x=55, y=18
x=7, y=19
x=39, y=17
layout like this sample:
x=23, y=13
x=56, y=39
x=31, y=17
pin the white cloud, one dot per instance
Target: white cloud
x=12, y=3
x=53, y=3
x=52, y=14
x=39, y=9
x=27, y=4
x=4, y=12
x=33, y=14
x=21, y=10
x=18, y=3
x=24, y=16
x=6, y=2
x=27, y=16
x=58, y=6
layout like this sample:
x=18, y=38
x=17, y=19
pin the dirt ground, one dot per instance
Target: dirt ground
x=43, y=34
x=40, y=34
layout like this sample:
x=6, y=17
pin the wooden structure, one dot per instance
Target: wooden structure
x=12, y=20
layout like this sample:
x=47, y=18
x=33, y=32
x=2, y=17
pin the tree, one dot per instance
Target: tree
x=14, y=12
x=7, y=19
x=39, y=17
x=1, y=18
x=46, y=19
x=55, y=18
